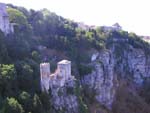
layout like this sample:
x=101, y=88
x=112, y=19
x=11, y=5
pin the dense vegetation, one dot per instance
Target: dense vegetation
x=44, y=36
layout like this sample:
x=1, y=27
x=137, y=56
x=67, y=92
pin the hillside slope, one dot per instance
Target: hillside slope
x=111, y=67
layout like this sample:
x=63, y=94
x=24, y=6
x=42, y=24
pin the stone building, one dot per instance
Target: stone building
x=5, y=25
x=45, y=72
x=57, y=79
x=114, y=27
x=64, y=68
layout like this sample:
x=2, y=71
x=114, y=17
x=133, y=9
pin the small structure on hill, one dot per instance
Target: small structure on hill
x=114, y=27
x=57, y=79
x=5, y=25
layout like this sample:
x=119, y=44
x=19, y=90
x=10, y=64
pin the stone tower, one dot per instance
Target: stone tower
x=5, y=25
x=45, y=73
x=64, y=68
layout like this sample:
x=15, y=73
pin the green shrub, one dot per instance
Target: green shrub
x=84, y=69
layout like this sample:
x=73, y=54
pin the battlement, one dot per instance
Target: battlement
x=45, y=69
x=44, y=66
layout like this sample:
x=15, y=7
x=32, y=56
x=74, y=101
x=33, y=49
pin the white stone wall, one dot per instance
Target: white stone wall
x=5, y=25
x=64, y=68
x=45, y=73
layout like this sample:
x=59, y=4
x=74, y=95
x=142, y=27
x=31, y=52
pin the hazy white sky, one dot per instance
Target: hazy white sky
x=132, y=15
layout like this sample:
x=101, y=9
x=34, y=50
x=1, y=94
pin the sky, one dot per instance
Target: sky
x=132, y=15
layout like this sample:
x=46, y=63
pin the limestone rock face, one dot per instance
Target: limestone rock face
x=109, y=68
x=102, y=79
x=64, y=98
x=139, y=64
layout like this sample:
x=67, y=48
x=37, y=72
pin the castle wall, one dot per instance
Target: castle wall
x=2, y=6
x=5, y=25
x=57, y=79
x=64, y=68
x=45, y=73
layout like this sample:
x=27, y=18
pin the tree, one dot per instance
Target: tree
x=45, y=99
x=8, y=71
x=26, y=101
x=35, y=56
x=12, y=106
x=16, y=16
x=22, y=28
x=37, y=105
x=7, y=80
x=3, y=49
x=25, y=76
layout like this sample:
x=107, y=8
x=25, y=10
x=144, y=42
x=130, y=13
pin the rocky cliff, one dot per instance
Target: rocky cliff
x=64, y=98
x=110, y=67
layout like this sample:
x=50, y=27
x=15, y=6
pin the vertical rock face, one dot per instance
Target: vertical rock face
x=102, y=79
x=64, y=98
x=62, y=91
x=109, y=68
x=102, y=83
x=139, y=64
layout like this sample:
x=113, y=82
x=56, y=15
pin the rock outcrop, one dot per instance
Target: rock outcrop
x=139, y=64
x=64, y=98
x=102, y=79
x=132, y=65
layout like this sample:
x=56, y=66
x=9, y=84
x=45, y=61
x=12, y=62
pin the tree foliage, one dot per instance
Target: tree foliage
x=12, y=106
